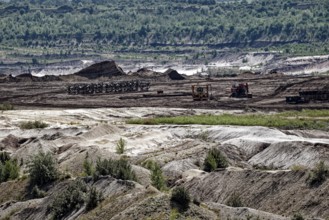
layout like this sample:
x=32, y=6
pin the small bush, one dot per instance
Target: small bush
x=298, y=168
x=88, y=167
x=9, y=170
x=204, y=135
x=234, y=201
x=4, y=156
x=69, y=200
x=120, y=169
x=214, y=160
x=181, y=197
x=37, y=193
x=297, y=216
x=157, y=178
x=42, y=169
x=319, y=173
x=32, y=125
x=94, y=198
x=6, y=107
x=121, y=146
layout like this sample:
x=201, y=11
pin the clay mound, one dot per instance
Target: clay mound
x=175, y=169
x=173, y=75
x=10, y=142
x=102, y=69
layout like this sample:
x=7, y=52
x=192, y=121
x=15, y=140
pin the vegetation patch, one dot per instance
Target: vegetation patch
x=298, y=168
x=297, y=216
x=180, y=198
x=43, y=169
x=9, y=169
x=234, y=201
x=306, y=113
x=319, y=174
x=37, y=192
x=66, y=25
x=69, y=200
x=6, y=107
x=157, y=178
x=32, y=125
x=119, y=169
x=214, y=159
x=4, y=156
x=121, y=146
x=277, y=121
x=88, y=166
x=94, y=198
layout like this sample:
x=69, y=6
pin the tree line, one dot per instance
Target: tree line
x=147, y=23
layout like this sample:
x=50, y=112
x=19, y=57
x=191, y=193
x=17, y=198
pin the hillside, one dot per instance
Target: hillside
x=268, y=185
x=61, y=27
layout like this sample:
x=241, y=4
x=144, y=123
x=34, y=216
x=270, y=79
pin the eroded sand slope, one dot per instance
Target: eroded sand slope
x=180, y=150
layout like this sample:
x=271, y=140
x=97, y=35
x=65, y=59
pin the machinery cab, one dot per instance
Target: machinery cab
x=240, y=90
x=201, y=92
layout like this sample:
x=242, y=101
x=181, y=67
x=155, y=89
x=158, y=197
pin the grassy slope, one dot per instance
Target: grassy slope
x=308, y=119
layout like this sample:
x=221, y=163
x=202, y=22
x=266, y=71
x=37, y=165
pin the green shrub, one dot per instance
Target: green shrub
x=157, y=178
x=319, y=174
x=214, y=160
x=298, y=168
x=37, y=193
x=234, y=201
x=121, y=146
x=94, y=198
x=42, y=169
x=174, y=214
x=180, y=197
x=6, y=107
x=204, y=135
x=4, y=156
x=297, y=216
x=88, y=167
x=72, y=198
x=9, y=170
x=32, y=125
x=120, y=169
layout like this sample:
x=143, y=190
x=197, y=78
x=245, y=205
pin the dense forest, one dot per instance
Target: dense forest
x=100, y=25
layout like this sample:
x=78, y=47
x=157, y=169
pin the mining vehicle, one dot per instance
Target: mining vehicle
x=307, y=96
x=295, y=100
x=108, y=87
x=240, y=91
x=201, y=92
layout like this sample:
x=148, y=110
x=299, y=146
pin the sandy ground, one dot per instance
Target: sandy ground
x=104, y=127
x=260, y=161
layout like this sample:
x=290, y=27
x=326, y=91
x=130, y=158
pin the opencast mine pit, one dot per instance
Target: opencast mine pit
x=268, y=92
x=269, y=168
x=276, y=192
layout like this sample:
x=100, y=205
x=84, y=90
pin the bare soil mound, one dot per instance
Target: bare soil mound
x=279, y=192
x=102, y=69
x=173, y=75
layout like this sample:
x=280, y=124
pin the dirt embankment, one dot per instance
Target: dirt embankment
x=260, y=161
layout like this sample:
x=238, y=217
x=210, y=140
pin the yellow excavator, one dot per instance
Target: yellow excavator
x=201, y=92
